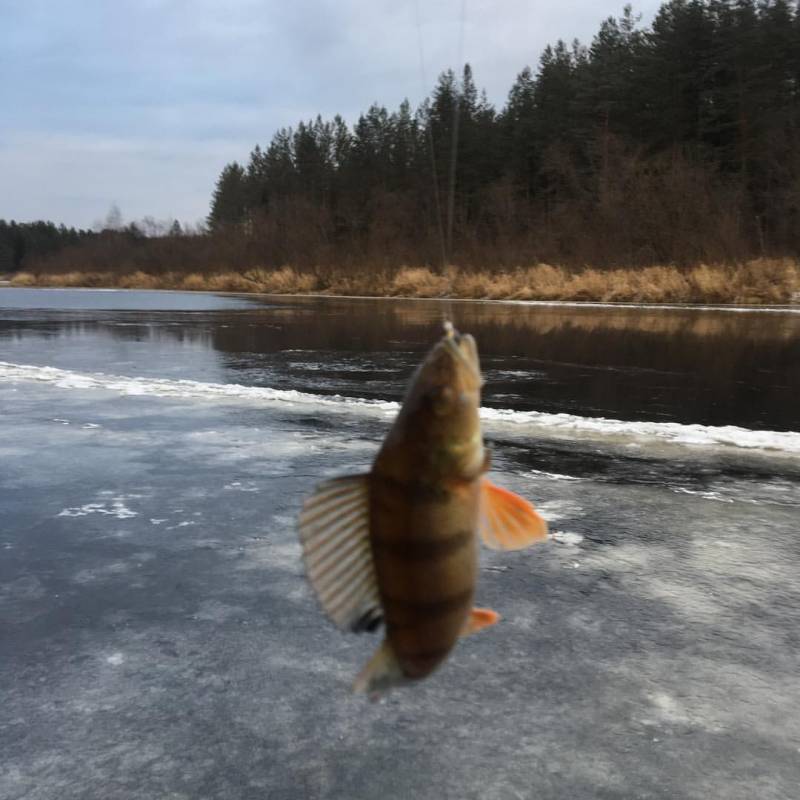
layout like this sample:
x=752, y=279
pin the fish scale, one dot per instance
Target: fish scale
x=400, y=543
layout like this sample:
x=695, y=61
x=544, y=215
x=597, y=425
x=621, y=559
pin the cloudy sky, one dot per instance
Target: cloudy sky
x=142, y=102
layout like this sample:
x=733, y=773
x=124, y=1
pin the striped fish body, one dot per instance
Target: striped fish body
x=424, y=508
x=399, y=544
x=426, y=562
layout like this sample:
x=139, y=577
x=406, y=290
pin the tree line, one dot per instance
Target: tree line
x=676, y=142
x=22, y=242
x=26, y=244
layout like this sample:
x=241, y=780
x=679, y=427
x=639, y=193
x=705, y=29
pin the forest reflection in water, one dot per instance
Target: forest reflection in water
x=712, y=367
x=665, y=364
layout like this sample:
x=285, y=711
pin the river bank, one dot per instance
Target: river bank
x=761, y=281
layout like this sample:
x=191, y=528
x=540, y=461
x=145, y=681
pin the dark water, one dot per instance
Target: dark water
x=713, y=367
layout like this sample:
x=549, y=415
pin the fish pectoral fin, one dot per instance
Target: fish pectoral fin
x=478, y=619
x=381, y=672
x=334, y=534
x=507, y=521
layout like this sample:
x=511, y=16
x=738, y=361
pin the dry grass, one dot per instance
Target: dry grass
x=138, y=280
x=25, y=279
x=420, y=282
x=758, y=281
x=281, y=281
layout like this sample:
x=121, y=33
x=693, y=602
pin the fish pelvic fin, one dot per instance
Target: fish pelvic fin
x=334, y=533
x=508, y=521
x=380, y=673
x=478, y=619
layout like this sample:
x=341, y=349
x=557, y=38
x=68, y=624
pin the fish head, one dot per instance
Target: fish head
x=444, y=397
x=453, y=362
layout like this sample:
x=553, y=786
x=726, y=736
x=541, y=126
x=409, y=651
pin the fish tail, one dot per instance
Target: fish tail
x=381, y=672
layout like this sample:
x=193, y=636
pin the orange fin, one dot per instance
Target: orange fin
x=508, y=522
x=478, y=619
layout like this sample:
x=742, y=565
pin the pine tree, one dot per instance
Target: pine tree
x=608, y=89
x=229, y=201
x=703, y=104
x=518, y=131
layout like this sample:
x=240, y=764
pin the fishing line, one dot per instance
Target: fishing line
x=445, y=235
x=451, y=188
x=429, y=137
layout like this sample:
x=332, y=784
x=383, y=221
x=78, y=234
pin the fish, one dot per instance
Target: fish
x=398, y=545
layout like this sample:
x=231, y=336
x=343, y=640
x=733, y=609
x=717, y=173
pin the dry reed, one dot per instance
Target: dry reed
x=758, y=281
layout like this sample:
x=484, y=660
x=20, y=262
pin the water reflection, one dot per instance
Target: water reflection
x=116, y=300
x=710, y=367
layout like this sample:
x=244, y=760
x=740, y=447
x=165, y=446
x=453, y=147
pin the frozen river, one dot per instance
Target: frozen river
x=158, y=639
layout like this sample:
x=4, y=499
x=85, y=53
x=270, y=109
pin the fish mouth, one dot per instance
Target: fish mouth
x=462, y=347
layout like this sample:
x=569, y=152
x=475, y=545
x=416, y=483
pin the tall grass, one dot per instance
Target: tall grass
x=758, y=281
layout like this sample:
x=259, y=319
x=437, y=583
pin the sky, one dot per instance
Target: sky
x=140, y=103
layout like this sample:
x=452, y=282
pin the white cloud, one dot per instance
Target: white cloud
x=142, y=103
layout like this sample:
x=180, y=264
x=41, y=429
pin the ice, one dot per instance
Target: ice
x=553, y=476
x=669, y=605
x=217, y=611
x=706, y=495
x=700, y=435
x=553, y=510
x=566, y=537
x=528, y=422
x=238, y=486
x=115, y=508
x=646, y=306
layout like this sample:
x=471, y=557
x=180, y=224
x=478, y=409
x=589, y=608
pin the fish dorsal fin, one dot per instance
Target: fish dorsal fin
x=334, y=533
x=507, y=521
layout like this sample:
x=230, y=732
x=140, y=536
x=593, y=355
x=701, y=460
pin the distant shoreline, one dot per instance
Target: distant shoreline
x=758, y=283
x=777, y=308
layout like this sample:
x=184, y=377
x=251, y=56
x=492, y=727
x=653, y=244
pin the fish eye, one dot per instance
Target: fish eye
x=442, y=400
